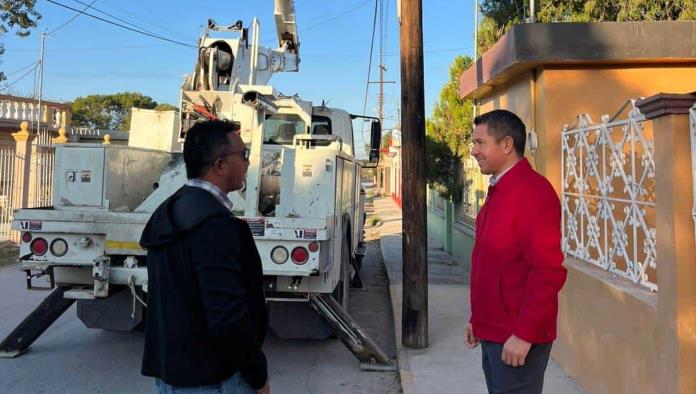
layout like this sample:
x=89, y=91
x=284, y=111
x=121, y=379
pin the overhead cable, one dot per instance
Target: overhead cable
x=87, y=6
x=123, y=26
x=369, y=67
x=18, y=79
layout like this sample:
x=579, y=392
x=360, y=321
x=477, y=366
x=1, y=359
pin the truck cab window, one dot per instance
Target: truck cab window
x=280, y=129
x=321, y=125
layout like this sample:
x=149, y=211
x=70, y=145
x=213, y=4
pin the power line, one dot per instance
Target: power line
x=73, y=18
x=123, y=26
x=146, y=16
x=18, y=79
x=329, y=19
x=20, y=70
x=117, y=18
x=361, y=5
x=369, y=67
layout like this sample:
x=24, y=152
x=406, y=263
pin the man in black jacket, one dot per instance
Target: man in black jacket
x=206, y=314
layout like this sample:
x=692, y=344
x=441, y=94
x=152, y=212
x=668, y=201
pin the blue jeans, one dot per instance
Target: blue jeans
x=234, y=385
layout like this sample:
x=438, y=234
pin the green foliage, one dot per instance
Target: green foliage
x=500, y=15
x=448, y=135
x=19, y=15
x=166, y=107
x=110, y=111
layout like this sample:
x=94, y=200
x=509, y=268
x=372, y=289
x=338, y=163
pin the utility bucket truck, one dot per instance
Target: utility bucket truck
x=302, y=199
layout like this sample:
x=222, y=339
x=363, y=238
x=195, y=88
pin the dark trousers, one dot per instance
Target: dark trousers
x=504, y=379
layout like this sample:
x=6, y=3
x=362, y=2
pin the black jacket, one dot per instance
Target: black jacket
x=206, y=313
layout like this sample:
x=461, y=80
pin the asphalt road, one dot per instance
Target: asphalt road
x=70, y=358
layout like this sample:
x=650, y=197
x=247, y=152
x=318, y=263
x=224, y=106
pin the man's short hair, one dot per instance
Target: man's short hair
x=502, y=123
x=204, y=143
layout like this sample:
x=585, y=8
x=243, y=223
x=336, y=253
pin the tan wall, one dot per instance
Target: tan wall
x=566, y=93
x=607, y=338
x=515, y=96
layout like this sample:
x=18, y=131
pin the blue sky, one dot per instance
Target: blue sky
x=91, y=57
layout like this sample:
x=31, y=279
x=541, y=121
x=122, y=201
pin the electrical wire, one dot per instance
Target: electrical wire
x=117, y=18
x=361, y=5
x=123, y=26
x=19, y=79
x=326, y=20
x=20, y=70
x=87, y=6
x=369, y=67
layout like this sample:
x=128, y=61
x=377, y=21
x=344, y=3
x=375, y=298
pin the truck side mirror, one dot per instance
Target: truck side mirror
x=375, y=140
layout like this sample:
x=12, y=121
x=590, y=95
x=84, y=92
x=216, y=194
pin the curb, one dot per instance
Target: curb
x=405, y=375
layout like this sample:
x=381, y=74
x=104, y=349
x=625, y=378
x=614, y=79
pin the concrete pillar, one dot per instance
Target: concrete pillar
x=22, y=166
x=676, y=252
x=62, y=137
x=449, y=224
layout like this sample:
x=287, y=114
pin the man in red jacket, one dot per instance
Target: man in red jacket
x=516, y=265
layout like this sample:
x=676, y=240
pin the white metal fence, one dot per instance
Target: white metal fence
x=608, y=180
x=7, y=159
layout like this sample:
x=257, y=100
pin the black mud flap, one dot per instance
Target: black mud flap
x=38, y=321
x=371, y=357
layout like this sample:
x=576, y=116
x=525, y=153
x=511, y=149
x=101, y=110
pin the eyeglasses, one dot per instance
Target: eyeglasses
x=245, y=154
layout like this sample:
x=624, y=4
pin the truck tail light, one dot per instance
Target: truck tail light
x=300, y=255
x=313, y=247
x=59, y=247
x=279, y=255
x=26, y=237
x=39, y=246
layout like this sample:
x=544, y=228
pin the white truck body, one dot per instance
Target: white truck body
x=303, y=182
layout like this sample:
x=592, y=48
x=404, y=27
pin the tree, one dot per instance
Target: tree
x=448, y=135
x=165, y=107
x=17, y=14
x=110, y=111
x=500, y=15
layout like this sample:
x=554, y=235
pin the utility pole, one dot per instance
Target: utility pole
x=414, y=320
x=532, y=11
x=381, y=82
x=41, y=73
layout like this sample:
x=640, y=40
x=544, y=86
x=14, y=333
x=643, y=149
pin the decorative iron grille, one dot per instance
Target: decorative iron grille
x=608, y=200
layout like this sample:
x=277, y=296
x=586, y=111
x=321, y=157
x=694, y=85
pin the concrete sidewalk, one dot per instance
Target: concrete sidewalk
x=446, y=366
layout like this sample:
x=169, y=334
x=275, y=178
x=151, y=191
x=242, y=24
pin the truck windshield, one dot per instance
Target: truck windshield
x=281, y=128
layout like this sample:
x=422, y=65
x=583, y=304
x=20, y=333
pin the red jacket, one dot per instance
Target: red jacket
x=516, y=270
